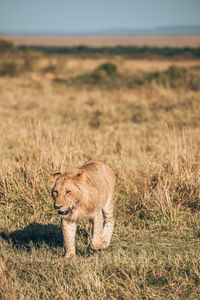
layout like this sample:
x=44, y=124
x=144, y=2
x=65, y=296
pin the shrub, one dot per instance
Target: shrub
x=8, y=68
x=175, y=73
x=103, y=73
x=6, y=46
x=108, y=68
x=194, y=82
x=107, y=77
x=175, y=77
x=179, y=76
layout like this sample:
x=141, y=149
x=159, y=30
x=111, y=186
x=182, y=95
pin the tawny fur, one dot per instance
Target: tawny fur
x=85, y=192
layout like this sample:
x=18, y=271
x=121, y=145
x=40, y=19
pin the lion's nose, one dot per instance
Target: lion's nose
x=57, y=207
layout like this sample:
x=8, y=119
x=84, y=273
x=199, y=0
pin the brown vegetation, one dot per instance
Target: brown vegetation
x=148, y=132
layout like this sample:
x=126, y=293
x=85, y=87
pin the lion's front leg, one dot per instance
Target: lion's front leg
x=97, y=232
x=69, y=232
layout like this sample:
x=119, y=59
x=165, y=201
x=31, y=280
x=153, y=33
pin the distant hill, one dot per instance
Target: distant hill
x=165, y=30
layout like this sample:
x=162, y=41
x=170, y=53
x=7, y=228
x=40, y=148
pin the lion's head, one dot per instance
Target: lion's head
x=66, y=190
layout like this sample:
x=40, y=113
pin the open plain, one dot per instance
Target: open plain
x=139, y=116
x=107, y=40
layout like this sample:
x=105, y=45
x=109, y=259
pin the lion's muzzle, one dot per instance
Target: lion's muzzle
x=64, y=213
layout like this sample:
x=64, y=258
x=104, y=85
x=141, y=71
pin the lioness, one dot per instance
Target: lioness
x=85, y=192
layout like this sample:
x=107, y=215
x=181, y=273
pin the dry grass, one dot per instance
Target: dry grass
x=76, y=66
x=103, y=40
x=149, y=134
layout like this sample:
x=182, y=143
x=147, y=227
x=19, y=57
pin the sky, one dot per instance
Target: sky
x=83, y=15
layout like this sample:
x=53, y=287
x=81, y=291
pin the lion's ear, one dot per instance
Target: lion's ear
x=80, y=175
x=53, y=176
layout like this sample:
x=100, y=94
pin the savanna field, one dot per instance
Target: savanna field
x=141, y=115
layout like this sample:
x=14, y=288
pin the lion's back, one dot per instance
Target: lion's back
x=101, y=176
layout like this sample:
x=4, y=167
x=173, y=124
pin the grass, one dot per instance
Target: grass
x=148, y=133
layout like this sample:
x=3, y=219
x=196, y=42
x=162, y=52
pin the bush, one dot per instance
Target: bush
x=108, y=68
x=107, y=77
x=194, y=82
x=8, y=68
x=103, y=73
x=175, y=73
x=6, y=46
x=175, y=77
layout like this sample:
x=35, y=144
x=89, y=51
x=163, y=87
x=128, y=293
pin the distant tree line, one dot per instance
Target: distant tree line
x=130, y=51
x=118, y=50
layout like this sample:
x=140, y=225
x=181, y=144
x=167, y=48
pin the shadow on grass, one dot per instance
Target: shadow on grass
x=38, y=234
x=35, y=234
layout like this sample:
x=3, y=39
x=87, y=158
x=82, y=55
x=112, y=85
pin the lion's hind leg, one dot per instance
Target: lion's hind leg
x=108, y=224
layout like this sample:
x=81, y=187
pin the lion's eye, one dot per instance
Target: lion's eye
x=55, y=193
x=68, y=192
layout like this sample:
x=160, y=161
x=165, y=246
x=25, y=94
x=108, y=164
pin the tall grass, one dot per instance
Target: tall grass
x=149, y=135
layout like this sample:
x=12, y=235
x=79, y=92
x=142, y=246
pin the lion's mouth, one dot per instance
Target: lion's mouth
x=64, y=213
